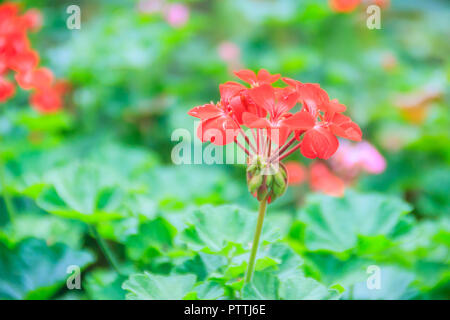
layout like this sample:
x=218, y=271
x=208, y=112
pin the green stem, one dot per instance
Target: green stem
x=105, y=249
x=259, y=225
x=10, y=210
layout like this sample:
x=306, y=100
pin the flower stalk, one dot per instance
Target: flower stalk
x=255, y=244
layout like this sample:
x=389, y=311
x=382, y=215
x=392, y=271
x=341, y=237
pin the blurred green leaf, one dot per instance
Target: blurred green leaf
x=146, y=286
x=34, y=270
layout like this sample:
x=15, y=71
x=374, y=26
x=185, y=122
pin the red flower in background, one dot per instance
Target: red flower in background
x=296, y=172
x=7, y=89
x=344, y=167
x=16, y=55
x=276, y=128
x=344, y=5
x=323, y=180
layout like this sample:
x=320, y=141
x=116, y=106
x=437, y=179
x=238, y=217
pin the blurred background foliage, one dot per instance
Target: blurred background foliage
x=105, y=160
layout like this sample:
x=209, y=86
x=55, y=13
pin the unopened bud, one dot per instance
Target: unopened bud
x=255, y=182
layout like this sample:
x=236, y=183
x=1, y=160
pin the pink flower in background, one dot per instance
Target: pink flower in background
x=353, y=158
x=150, y=6
x=229, y=51
x=177, y=15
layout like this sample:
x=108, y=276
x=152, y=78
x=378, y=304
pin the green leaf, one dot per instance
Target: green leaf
x=302, y=288
x=289, y=261
x=214, y=228
x=263, y=286
x=203, y=265
x=33, y=270
x=26, y=174
x=50, y=228
x=82, y=191
x=208, y=291
x=395, y=284
x=154, y=237
x=104, y=285
x=332, y=270
x=147, y=286
x=334, y=224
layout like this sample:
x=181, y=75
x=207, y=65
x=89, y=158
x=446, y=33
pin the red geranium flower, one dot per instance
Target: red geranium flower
x=47, y=100
x=266, y=112
x=296, y=172
x=16, y=55
x=220, y=121
x=325, y=119
x=323, y=180
x=38, y=78
x=7, y=89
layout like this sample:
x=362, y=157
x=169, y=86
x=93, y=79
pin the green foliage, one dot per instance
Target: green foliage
x=185, y=231
x=148, y=286
x=335, y=224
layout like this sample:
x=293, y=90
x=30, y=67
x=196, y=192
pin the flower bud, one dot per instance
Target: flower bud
x=255, y=182
x=266, y=181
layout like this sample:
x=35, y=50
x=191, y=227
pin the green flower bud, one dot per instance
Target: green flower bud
x=270, y=185
x=269, y=180
x=255, y=182
x=279, y=179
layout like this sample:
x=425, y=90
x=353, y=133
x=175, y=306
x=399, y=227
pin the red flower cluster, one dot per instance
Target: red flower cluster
x=274, y=129
x=17, y=55
x=267, y=112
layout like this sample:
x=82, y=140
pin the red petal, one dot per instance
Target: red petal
x=287, y=99
x=220, y=131
x=300, y=121
x=313, y=95
x=252, y=121
x=250, y=105
x=230, y=89
x=279, y=135
x=206, y=111
x=247, y=76
x=265, y=77
x=334, y=106
x=344, y=127
x=291, y=82
x=264, y=97
x=319, y=142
